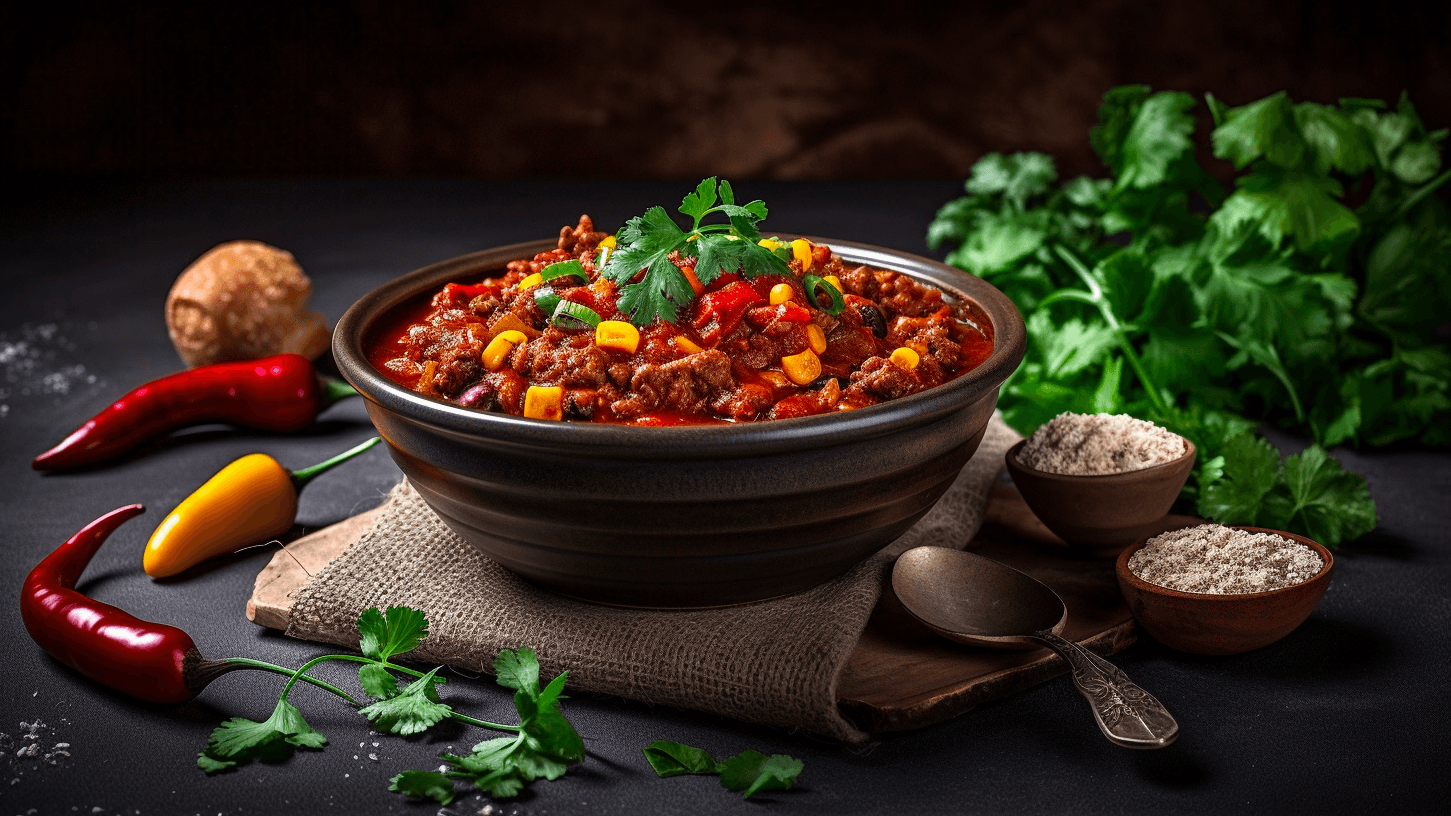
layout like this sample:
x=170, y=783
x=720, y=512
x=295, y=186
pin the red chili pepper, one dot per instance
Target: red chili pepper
x=718, y=313
x=148, y=661
x=279, y=393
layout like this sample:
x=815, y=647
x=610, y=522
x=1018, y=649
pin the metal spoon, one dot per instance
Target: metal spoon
x=976, y=600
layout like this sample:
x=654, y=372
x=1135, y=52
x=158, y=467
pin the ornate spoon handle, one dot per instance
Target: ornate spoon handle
x=1127, y=715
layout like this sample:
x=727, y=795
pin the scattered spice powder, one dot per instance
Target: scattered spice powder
x=1096, y=444
x=1216, y=560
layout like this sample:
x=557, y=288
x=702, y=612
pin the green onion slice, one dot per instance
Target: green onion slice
x=546, y=299
x=815, y=284
x=564, y=269
x=571, y=315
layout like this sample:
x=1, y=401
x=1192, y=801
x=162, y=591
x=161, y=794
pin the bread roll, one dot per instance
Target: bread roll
x=242, y=300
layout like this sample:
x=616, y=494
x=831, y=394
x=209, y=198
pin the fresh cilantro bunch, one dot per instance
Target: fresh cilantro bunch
x=544, y=743
x=646, y=241
x=1155, y=292
x=748, y=772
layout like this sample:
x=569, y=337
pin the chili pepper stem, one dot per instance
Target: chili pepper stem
x=334, y=390
x=307, y=474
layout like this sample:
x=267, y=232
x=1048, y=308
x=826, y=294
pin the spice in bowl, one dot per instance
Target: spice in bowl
x=1218, y=560
x=1101, y=481
x=1217, y=590
x=1097, y=444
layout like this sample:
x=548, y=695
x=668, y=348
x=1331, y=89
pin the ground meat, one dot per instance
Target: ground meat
x=484, y=305
x=743, y=403
x=579, y=403
x=884, y=379
x=580, y=237
x=558, y=358
x=809, y=403
x=688, y=384
x=929, y=337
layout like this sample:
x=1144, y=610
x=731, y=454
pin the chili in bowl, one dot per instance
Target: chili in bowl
x=752, y=480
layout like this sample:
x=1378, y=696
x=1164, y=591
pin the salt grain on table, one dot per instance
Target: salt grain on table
x=1217, y=560
x=1097, y=444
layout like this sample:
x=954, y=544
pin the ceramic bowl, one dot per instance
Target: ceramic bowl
x=1222, y=624
x=1104, y=511
x=682, y=516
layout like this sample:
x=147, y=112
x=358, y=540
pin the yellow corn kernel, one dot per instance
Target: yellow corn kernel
x=801, y=248
x=816, y=338
x=609, y=242
x=685, y=345
x=544, y=402
x=834, y=281
x=782, y=293
x=802, y=368
x=906, y=358
x=617, y=334
x=531, y=281
x=770, y=243
x=499, y=348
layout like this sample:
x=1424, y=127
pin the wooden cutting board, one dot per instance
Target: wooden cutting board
x=901, y=676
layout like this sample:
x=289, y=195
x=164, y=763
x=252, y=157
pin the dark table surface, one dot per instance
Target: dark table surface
x=1346, y=714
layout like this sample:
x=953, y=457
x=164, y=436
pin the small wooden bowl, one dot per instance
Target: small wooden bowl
x=1103, y=511
x=1222, y=624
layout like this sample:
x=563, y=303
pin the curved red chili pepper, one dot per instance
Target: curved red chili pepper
x=278, y=393
x=149, y=661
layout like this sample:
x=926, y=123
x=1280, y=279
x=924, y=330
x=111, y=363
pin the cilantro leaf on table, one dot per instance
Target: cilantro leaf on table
x=676, y=759
x=646, y=243
x=752, y=772
x=423, y=785
x=382, y=635
x=1310, y=493
x=1251, y=469
x=416, y=708
x=1328, y=503
x=240, y=739
x=377, y=681
x=747, y=773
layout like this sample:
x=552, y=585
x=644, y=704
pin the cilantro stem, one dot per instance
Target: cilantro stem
x=302, y=670
x=300, y=674
x=1415, y=198
x=258, y=664
x=464, y=718
x=1095, y=297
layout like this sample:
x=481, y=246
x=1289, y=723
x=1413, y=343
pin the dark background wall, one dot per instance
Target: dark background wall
x=655, y=89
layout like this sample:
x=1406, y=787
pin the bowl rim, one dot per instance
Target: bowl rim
x=1011, y=457
x=1121, y=566
x=728, y=440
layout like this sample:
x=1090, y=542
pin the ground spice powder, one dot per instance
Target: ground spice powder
x=1217, y=560
x=1097, y=444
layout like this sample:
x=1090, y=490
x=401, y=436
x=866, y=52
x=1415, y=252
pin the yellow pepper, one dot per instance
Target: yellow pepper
x=249, y=501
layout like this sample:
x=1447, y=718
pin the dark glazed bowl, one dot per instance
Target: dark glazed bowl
x=1222, y=624
x=1104, y=511
x=682, y=516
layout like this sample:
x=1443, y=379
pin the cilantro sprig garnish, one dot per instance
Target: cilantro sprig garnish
x=543, y=745
x=1157, y=293
x=646, y=241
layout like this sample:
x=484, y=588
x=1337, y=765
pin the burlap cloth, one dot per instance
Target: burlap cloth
x=774, y=662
